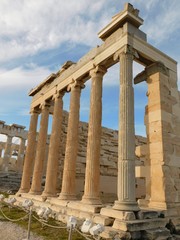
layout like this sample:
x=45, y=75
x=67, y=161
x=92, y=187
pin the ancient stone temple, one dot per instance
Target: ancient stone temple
x=122, y=42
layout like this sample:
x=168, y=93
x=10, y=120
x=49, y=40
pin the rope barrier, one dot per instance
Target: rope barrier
x=42, y=222
x=48, y=225
x=12, y=220
x=83, y=235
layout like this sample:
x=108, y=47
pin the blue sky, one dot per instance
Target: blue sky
x=38, y=36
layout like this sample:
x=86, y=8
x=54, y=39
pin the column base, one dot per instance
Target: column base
x=22, y=190
x=48, y=194
x=67, y=197
x=126, y=206
x=91, y=201
x=32, y=192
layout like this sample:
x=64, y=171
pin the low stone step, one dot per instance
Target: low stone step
x=177, y=229
x=109, y=233
x=156, y=234
x=147, y=214
x=176, y=237
x=122, y=215
x=138, y=225
x=176, y=221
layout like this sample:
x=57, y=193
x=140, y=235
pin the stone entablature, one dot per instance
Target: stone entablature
x=13, y=130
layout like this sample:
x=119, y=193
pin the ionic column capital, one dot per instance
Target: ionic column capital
x=34, y=110
x=44, y=105
x=97, y=70
x=75, y=84
x=128, y=51
x=58, y=94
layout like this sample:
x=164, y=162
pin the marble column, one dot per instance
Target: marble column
x=7, y=153
x=54, y=147
x=92, y=175
x=68, y=191
x=30, y=153
x=40, y=151
x=126, y=140
x=21, y=155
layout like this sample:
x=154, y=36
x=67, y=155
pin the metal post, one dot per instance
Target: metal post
x=29, y=223
x=70, y=232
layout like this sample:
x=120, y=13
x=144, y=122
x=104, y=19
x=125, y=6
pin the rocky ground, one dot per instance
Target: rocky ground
x=11, y=231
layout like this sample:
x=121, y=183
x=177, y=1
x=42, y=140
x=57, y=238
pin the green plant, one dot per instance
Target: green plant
x=36, y=227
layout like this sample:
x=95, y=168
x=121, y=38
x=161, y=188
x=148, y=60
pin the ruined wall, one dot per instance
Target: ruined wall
x=11, y=131
x=13, y=157
x=108, y=162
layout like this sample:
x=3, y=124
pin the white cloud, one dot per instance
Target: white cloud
x=15, y=85
x=145, y=4
x=19, y=78
x=161, y=20
x=27, y=27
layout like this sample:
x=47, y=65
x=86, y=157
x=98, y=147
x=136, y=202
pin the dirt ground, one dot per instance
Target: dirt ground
x=11, y=231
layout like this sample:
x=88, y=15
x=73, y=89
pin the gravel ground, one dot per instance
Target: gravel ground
x=11, y=231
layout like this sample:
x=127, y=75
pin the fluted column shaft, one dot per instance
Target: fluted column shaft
x=92, y=175
x=30, y=154
x=68, y=191
x=40, y=151
x=54, y=147
x=126, y=141
x=7, y=153
x=21, y=155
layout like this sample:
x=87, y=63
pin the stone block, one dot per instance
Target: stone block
x=84, y=207
x=141, y=150
x=159, y=115
x=109, y=233
x=147, y=214
x=106, y=221
x=73, y=212
x=136, y=235
x=123, y=215
x=176, y=220
x=157, y=233
x=167, y=107
x=139, y=225
x=62, y=218
x=56, y=201
x=176, y=237
x=85, y=215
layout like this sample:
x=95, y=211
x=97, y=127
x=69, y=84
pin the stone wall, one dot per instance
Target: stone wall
x=162, y=121
x=108, y=162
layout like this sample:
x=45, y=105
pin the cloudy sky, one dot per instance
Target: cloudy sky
x=38, y=36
